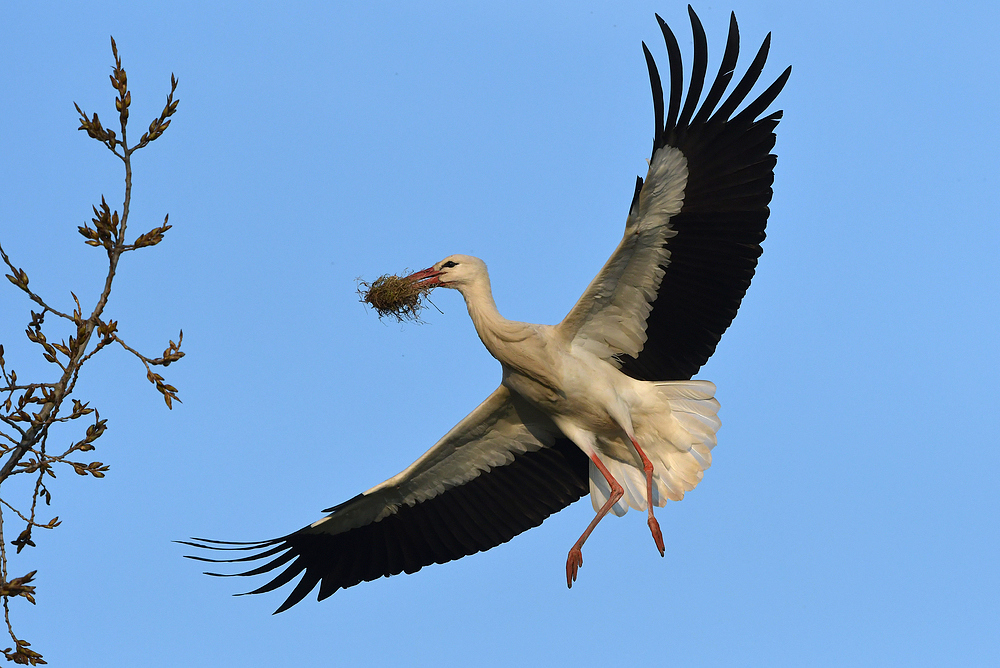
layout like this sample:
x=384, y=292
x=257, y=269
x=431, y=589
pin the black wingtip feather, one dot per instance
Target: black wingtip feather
x=309, y=580
x=698, y=69
x=340, y=506
x=726, y=70
x=745, y=84
x=252, y=557
x=657, y=87
x=676, y=80
x=764, y=100
x=284, y=577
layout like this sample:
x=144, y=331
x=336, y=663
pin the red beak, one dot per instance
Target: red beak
x=428, y=278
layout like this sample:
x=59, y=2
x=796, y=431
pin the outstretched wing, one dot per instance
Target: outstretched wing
x=657, y=308
x=501, y=471
x=692, y=238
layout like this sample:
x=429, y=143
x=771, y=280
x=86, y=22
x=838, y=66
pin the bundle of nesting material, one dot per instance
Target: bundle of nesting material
x=394, y=296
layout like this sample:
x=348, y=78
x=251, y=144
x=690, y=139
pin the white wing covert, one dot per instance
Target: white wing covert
x=610, y=318
x=498, y=429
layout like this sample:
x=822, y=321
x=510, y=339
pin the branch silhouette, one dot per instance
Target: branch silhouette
x=29, y=410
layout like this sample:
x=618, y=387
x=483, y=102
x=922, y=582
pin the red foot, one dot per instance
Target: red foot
x=654, y=528
x=573, y=563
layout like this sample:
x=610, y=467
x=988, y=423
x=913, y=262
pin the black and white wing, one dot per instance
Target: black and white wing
x=657, y=308
x=501, y=471
x=692, y=238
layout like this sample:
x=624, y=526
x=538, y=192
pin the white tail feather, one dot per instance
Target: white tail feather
x=675, y=424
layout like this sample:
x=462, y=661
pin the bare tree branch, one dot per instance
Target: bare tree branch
x=29, y=410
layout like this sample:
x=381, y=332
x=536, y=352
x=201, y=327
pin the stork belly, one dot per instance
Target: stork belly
x=584, y=411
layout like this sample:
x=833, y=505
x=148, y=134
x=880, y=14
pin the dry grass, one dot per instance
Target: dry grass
x=394, y=296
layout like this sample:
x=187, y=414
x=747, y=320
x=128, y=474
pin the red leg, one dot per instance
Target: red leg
x=575, y=559
x=654, y=526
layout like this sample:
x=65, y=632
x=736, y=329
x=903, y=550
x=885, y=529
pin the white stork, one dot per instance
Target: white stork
x=601, y=402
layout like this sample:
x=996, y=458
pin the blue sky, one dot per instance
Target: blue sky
x=850, y=515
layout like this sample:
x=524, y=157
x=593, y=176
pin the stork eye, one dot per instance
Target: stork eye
x=449, y=264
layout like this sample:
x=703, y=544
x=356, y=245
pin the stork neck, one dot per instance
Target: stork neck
x=494, y=330
x=482, y=308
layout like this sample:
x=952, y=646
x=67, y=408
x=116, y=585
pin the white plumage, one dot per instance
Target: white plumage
x=682, y=439
x=622, y=424
x=603, y=402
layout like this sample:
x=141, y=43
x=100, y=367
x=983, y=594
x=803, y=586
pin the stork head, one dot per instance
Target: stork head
x=455, y=271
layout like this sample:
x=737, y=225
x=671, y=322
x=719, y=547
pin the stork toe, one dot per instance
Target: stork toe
x=654, y=528
x=573, y=563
